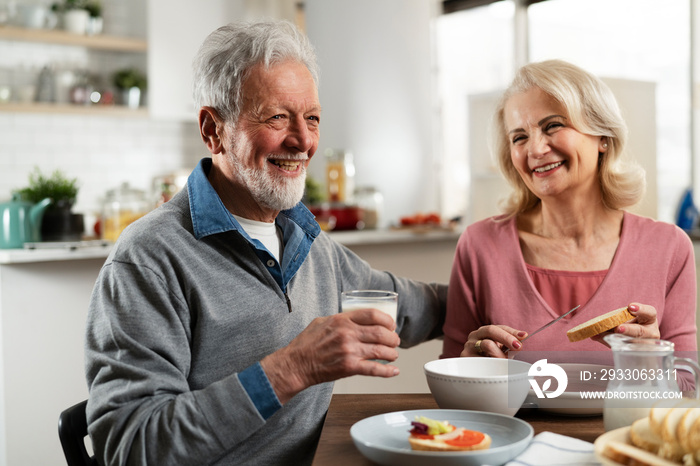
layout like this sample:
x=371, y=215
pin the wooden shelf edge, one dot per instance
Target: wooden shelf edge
x=56, y=36
x=49, y=108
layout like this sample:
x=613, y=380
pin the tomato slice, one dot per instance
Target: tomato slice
x=467, y=439
x=423, y=436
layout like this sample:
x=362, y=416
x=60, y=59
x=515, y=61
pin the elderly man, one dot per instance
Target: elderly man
x=214, y=330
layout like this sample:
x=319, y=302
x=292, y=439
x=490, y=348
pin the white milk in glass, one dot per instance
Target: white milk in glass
x=385, y=301
x=385, y=307
x=623, y=414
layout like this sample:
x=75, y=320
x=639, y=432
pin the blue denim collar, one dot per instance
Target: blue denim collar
x=210, y=216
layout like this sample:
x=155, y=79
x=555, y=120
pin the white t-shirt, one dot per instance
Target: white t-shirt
x=267, y=233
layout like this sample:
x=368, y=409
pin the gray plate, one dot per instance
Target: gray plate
x=384, y=438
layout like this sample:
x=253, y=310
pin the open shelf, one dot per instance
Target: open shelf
x=55, y=36
x=105, y=110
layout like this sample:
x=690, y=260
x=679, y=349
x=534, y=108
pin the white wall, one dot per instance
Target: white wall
x=376, y=92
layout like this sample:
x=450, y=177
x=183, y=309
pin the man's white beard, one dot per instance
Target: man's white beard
x=268, y=190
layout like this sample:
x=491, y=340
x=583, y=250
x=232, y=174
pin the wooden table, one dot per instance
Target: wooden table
x=337, y=449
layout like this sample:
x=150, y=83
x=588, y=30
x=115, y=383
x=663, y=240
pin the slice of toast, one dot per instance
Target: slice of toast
x=629, y=454
x=658, y=413
x=684, y=427
x=692, y=437
x=643, y=437
x=599, y=324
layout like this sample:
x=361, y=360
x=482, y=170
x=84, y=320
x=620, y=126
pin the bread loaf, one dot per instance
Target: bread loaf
x=666, y=434
x=599, y=324
x=643, y=437
x=671, y=448
x=658, y=413
x=623, y=453
x=689, y=418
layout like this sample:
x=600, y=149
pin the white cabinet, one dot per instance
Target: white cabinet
x=43, y=306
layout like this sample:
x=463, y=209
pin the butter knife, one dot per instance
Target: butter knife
x=547, y=325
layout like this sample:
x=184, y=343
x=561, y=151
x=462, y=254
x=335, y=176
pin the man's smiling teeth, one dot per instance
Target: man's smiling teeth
x=289, y=165
x=551, y=166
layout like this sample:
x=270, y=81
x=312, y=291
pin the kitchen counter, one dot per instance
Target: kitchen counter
x=50, y=252
x=76, y=250
x=366, y=237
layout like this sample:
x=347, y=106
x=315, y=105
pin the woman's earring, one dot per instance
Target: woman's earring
x=605, y=145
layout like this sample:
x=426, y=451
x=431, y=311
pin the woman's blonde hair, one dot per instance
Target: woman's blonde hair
x=592, y=109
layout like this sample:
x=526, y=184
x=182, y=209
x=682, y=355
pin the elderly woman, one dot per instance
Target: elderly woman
x=565, y=237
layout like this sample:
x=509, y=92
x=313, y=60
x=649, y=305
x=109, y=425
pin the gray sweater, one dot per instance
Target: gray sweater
x=174, y=320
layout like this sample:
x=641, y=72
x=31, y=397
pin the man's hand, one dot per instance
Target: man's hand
x=331, y=348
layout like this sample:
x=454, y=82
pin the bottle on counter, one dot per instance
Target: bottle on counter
x=340, y=176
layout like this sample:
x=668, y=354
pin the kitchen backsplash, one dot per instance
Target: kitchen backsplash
x=102, y=152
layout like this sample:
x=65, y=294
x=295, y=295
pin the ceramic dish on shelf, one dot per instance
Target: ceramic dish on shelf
x=571, y=403
x=384, y=438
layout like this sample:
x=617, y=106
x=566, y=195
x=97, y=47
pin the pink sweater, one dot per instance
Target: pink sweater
x=654, y=264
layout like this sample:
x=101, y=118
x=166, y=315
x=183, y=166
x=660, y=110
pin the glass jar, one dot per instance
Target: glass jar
x=120, y=208
x=644, y=374
x=340, y=176
x=371, y=201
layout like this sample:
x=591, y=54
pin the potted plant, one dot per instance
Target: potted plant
x=78, y=15
x=313, y=192
x=131, y=83
x=315, y=200
x=59, y=222
x=96, y=23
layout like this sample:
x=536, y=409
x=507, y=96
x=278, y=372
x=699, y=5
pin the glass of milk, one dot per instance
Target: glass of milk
x=385, y=301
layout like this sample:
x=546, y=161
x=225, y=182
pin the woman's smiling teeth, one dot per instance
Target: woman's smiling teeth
x=548, y=167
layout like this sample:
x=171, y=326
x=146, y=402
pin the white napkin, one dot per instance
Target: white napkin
x=549, y=449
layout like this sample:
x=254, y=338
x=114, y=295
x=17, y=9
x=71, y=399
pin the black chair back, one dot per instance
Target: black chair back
x=72, y=430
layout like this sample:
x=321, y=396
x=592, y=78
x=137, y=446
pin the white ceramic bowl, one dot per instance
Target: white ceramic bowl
x=480, y=384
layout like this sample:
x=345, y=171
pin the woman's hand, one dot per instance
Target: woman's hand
x=492, y=340
x=644, y=324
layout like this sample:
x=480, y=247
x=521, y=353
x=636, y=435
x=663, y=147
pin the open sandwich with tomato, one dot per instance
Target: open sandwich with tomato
x=431, y=435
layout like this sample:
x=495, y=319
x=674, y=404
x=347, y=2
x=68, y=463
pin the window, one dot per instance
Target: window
x=637, y=40
x=474, y=56
x=641, y=40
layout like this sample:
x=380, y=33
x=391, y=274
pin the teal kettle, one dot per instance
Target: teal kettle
x=20, y=221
